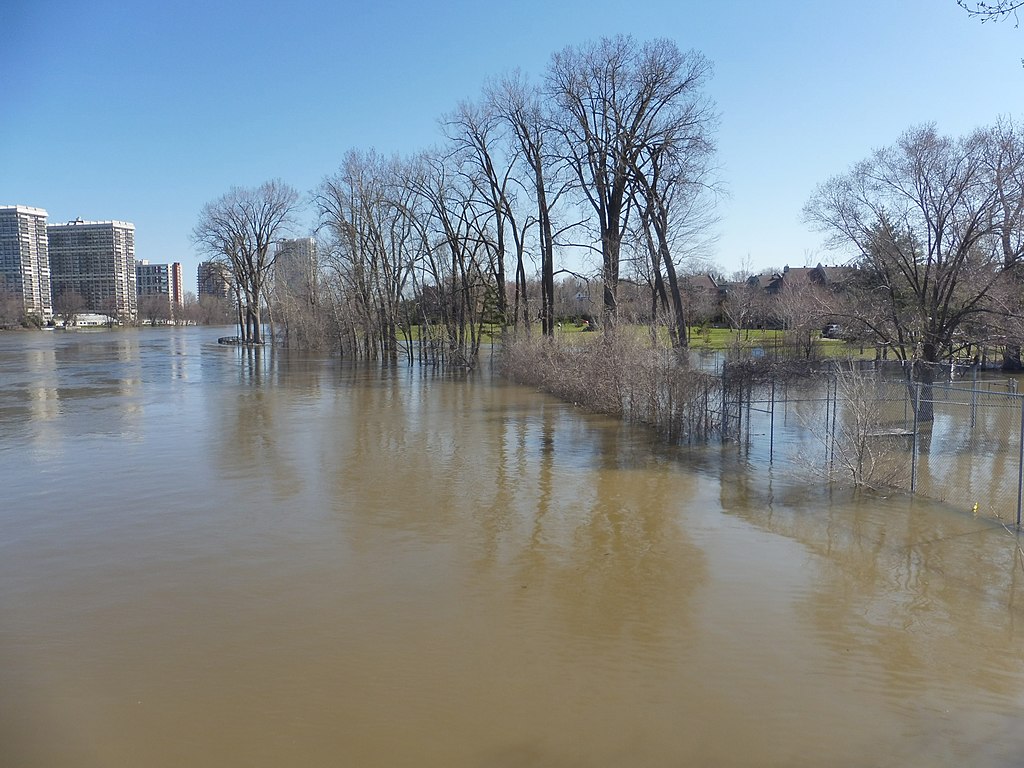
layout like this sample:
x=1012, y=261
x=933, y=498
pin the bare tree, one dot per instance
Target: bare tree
x=68, y=305
x=704, y=298
x=368, y=211
x=474, y=131
x=522, y=108
x=454, y=260
x=155, y=309
x=12, y=308
x=1006, y=166
x=801, y=310
x=674, y=186
x=189, y=305
x=928, y=219
x=865, y=445
x=745, y=305
x=616, y=100
x=210, y=310
x=240, y=229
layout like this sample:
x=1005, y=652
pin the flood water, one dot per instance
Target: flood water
x=216, y=557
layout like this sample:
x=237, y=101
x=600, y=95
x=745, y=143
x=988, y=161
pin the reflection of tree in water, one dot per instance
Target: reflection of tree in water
x=412, y=451
x=603, y=540
x=922, y=601
x=255, y=439
x=571, y=512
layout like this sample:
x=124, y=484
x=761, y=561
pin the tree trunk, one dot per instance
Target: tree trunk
x=1011, y=358
x=923, y=372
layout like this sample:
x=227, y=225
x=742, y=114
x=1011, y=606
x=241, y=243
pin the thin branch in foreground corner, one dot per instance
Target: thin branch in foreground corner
x=993, y=11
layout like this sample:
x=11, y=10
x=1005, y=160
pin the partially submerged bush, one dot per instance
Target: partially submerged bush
x=619, y=376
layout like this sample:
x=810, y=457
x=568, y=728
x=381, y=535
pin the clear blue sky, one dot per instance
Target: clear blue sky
x=144, y=111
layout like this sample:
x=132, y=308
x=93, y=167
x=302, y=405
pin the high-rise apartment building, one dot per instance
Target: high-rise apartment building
x=95, y=259
x=295, y=267
x=152, y=279
x=213, y=279
x=163, y=281
x=159, y=280
x=24, y=259
x=177, y=289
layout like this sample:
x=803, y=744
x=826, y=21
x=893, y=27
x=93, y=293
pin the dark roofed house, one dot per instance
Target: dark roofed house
x=799, y=277
x=701, y=283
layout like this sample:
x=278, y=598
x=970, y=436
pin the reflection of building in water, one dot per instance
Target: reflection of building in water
x=41, y=387
x=25, y=260
x=214, y=279
x=295, y=268
x=95, y=259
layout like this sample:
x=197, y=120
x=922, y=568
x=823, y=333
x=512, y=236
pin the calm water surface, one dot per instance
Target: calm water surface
x=212, y=557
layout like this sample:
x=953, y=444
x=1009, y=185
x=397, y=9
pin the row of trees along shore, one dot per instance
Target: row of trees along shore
x=610, y=155
x=609, y=159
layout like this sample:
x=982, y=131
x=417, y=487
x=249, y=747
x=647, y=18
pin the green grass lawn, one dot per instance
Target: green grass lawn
x=718, y=339
x=722, y=339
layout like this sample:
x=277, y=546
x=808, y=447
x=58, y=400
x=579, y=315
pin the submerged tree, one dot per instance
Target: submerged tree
x=239, y=230
x=487, y=163
x=365, y=208
x=452, y=224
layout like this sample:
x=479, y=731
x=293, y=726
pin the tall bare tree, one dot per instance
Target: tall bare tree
x=239, y=229
x=12, y=307
x=927, y=217
x=675, y=188
x=367, y=210
x=68, y=305
x=1006, y=167
x=615, y=100
x=522, y=108
x=155, y=309
x=453, y=229
x=474, y=131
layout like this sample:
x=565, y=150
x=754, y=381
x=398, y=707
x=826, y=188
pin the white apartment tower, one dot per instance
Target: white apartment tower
x=24, y=258
x=95, y=259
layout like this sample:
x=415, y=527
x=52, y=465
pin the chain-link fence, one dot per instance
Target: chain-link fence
x=958, y=442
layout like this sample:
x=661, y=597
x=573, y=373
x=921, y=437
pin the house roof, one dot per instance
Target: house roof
x=701, y=283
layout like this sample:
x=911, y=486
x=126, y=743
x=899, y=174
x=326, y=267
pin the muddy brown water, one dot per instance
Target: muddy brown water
x=213, y=557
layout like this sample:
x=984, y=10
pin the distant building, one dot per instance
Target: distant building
x=295, y=267
x=162, y=281
x=159, y=280
x=177, y=288
x=152, y=279
x=213, y=279
x=24, y=258
x=95, y=259
x=797, y=278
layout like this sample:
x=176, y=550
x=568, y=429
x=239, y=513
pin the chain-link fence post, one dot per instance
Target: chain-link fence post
x=1020, y=458
x=916, y=395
